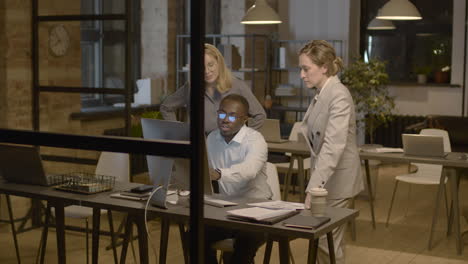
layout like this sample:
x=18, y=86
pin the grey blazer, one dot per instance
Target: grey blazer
x=181, y=98
x=329, y=127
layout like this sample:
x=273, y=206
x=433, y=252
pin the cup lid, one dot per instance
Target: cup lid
x=319, y=191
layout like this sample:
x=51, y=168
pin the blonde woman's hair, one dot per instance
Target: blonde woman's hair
x=323, y=54
x=224, y=82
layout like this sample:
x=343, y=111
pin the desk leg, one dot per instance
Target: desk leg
x=435, y=216
x=184, y=239
x=60, y=229
x=301, y=179
x=96, y=228
x=331, y=247
x=456, y=210
x=142, y=239
x=369, y=189
x=45, y=230
x=164, y=240
x=127, y=237
x=284, y=250
x=312, y=254
x=13, y=229
x=287, y=179
x=112, y=235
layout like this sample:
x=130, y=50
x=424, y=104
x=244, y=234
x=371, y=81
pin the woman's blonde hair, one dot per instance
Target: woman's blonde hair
x=224, y=82
x=323, y=54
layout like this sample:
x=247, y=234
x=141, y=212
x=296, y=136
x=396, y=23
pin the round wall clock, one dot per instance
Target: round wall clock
x=59, y=40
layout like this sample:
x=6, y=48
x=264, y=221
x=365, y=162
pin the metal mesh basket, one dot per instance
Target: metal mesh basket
x=83, y=182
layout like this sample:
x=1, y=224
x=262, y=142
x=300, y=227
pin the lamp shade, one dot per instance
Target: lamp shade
x=261, y=13
x=380, y=24
x=399, y=10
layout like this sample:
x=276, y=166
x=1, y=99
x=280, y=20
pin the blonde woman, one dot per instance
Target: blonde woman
x=329, y=127
x=219, y=83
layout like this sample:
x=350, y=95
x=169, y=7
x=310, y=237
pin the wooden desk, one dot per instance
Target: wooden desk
x=60, y=199
x=452, y=161
x=213, y=216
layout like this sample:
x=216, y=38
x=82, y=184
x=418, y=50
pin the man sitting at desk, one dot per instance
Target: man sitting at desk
x=237, y=157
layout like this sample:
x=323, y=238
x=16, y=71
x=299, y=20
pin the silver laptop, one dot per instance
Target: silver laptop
x=423, y=145
x=20, y=164
x=271, y=131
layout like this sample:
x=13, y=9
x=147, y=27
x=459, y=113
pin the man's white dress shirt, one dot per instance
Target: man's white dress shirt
x=242, y=163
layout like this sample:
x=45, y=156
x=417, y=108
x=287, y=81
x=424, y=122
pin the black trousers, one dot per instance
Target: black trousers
x=246, y=245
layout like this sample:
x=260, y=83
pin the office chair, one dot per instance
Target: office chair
x=427, y=174
x=111, y=164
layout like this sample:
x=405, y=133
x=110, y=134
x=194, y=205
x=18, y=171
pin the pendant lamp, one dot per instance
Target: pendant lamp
x=380, y=24
x=261, y=13
x=399, y=10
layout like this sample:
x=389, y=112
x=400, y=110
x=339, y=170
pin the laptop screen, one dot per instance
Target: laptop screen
x=423, y=145
x=166, y=171
x=20, y=164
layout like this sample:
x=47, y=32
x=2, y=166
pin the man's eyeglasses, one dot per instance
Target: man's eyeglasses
x=231, y=117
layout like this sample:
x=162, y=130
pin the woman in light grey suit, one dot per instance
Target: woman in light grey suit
x=219, y=83
x=329, y=127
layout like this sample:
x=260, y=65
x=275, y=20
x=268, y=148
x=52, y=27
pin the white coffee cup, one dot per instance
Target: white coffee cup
x=318, y=201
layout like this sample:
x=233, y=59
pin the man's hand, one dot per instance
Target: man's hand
x=214, y=175
x=307, y=200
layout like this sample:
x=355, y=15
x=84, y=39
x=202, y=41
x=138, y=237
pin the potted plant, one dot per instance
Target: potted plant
x=422, y=71
x=441, y=54
x=367, y=83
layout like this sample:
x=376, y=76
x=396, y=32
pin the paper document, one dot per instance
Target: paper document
x=218, y=202
x=126, y=197
x=384, y=150
x=258, y=213
x=279, y=205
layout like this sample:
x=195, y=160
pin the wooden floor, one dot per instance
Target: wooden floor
x=404, y=241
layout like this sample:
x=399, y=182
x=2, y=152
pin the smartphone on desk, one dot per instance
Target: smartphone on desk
x=142, y=189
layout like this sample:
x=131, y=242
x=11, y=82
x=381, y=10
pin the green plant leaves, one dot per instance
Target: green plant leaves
x=366, y=82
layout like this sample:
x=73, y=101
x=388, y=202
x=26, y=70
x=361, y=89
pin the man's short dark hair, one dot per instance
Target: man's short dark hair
x=237, y=98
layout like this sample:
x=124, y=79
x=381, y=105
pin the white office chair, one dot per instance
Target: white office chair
x=427, y=174
x=284, y=166
x=227, y=245
x=110, y=164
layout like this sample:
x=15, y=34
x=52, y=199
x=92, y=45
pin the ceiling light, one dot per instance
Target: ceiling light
x=261, y=13
x=399, y=10
x=380, y=24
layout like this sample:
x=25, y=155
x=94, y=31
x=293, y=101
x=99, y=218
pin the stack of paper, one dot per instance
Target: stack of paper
x=260, y=215
x=279, y=205
x=384, y=150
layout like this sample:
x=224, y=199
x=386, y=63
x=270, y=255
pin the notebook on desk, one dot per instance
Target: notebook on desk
x=20, y=164
x=271, y=131
x=423, y=145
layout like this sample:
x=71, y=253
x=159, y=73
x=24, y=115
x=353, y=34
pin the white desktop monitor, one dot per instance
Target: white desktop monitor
x=164, y=171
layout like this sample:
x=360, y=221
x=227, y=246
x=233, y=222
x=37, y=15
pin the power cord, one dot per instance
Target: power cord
x=146, y=223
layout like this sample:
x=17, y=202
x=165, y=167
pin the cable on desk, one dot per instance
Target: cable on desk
x=146, y=222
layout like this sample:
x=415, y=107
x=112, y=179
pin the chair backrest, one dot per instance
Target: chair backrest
x=293, y=136
x=438, y=132
x=273, y=181
x=431, y=170
x=294, y=131
x=114, y=164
